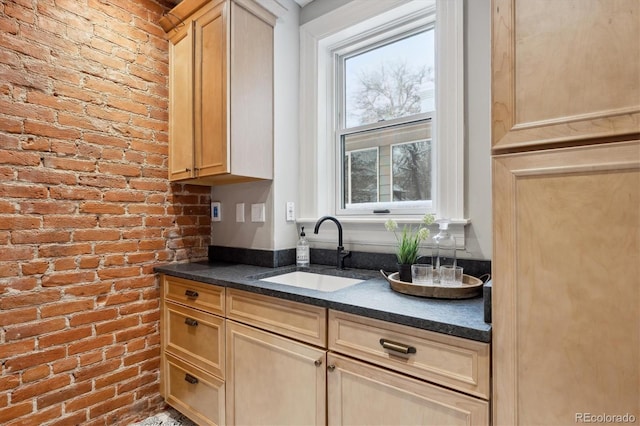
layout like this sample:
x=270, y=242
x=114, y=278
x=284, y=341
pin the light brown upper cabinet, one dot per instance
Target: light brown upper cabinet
x=564, y=71
x=220, y=91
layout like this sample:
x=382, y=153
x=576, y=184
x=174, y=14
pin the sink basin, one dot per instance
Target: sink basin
x=313, y=281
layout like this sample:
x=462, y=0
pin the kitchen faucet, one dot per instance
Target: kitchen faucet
x=341, y=252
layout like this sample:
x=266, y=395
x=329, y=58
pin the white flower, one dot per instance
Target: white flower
x=423, y=234
x=391, y=225
x=428, y=219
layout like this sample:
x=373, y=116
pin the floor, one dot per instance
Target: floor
x=170, y=417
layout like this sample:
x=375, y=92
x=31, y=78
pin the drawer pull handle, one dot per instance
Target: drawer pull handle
x=191, y=322
x=189, y=378
x=331, y=367
x=317, y=362
x=191, y=294
x=397, y=347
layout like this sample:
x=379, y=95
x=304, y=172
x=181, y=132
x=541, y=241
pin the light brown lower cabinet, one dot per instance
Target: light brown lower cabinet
x=269, y=361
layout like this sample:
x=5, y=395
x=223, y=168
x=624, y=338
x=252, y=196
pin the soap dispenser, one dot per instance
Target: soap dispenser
x=302, y=251
x=444, y=249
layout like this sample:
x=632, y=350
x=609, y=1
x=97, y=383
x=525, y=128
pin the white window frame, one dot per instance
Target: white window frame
x=317, y=114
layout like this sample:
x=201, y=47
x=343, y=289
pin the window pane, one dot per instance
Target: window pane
x=387, y=165
x=390, y=81
x=361, y=176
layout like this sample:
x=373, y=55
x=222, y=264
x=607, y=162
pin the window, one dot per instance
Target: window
x=360, y=157
x=385, y=101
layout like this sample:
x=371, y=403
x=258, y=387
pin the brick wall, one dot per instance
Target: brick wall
x=86, y=210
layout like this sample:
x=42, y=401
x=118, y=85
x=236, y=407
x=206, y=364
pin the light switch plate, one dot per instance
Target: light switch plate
x=257, y=212
x=216, y=211
x=291, y=211
x=240, y=212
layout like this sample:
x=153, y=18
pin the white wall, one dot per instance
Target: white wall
x=278, y=234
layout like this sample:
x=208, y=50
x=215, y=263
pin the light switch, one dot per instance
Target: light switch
x=240, y=212
x=291, y=211
x=216, y=211
x=257, y=212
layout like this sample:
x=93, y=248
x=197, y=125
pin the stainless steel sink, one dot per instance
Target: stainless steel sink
x=313, y=281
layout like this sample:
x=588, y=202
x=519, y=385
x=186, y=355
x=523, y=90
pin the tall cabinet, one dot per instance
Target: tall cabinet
x=566, y=210
x=220, y=91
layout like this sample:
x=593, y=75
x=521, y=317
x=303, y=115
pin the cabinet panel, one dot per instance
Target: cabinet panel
x=454, y=362
x=361, y=394
x=209, y=298
x=566, y=289
x=292, y=319
x=195, y=336
x=273, y=380
x=564, y=71
x=211, y=92
x=181, y=104
x=195, y=393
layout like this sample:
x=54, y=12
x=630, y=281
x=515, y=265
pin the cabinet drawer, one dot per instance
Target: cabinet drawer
x=296, y=320
x=195, y=336
x=450, y=361
x=359, y=393
x=194, y=393
x=207, y=297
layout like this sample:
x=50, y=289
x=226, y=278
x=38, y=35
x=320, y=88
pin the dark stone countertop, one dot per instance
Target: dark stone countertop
x=371, y=298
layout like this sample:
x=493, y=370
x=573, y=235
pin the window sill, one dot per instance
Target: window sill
x=369, y=233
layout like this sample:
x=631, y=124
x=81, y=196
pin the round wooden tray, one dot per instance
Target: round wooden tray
x=471, y=287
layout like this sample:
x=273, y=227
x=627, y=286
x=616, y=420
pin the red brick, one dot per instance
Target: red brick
x=119, y=169
x=39, y=237
x=110, y=405
x=139, y=381
x=93, y=316
x=20, y=158
x=61, y=250
x=105, y=274
x=117, y=299
x=64, y=163
x=29, y=391
x=89, y=399
x=115, y=325
x=118, y=247
x=15, y=411
x=30, y=299
x=91, y=358
x=96, y=289
x=19, y=347
x=64, y=264
x=9, y=382
x=62, y=337
x=113, y=260
x=18, y=222
x=47, y=207
x=63, y=395
x=138, y=282
x=17, y=316
x=94, y=370
x=132, y=333
x=40, y=417
x=89, y=344
x=37, y=328
x=48, y=130
x=96, y=235
x=119, y=376
x=89, y=262
x=73, y=419
x=124, y=196
x=120, y=222
x=17, y=253
x=102, y=181
x=66, y=364
x=74, y=193
x=66, y=278
x=35, y=373
x=34, y=358
x=69, y=221
x=102, y=208
x=22, y=191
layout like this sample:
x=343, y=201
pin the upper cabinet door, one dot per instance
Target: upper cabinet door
x=564, y=71
x=181, y=104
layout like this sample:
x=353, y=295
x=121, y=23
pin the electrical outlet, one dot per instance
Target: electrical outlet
x=216, y=211
x=257, y=212
x=291, y=211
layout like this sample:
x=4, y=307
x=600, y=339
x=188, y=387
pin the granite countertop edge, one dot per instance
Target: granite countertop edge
x=371, y=298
